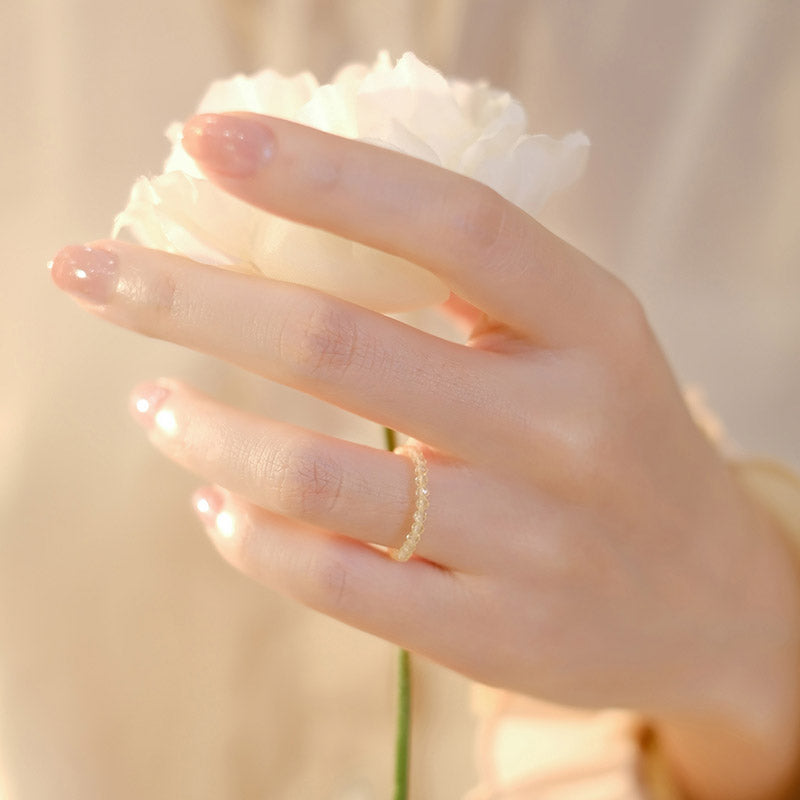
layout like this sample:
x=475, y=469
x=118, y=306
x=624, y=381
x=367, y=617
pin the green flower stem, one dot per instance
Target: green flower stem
x=401, y=750
x=390, y=437
x=403, y=735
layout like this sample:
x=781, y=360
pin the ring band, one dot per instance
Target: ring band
x=421, y=502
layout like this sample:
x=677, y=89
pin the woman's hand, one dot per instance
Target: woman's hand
x=584, y=542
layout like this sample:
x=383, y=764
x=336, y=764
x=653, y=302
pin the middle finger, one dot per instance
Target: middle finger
x=436, y=391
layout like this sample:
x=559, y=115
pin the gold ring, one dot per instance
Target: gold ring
x=421, y=503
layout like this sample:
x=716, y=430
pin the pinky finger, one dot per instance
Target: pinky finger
x=345, y=579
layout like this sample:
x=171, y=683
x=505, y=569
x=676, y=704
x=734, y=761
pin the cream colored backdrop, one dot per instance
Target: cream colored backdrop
x=132, y=662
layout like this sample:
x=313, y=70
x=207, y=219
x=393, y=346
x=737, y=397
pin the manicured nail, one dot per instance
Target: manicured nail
x=207, y=503
x=90, y=273
x=232, y=146
x=146, y=402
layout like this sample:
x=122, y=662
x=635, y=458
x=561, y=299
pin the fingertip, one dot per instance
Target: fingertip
x=88, y=272
x=228, y=145
x=146, y=403
x=207, y=503
x=219, y=517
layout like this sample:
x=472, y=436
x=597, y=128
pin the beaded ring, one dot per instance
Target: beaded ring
x=421, y=502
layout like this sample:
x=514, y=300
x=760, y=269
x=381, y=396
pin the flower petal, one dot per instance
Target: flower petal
x=405, y=106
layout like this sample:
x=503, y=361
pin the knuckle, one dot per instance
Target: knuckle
x=325, y=343
x=317, y=578
x=477, y=217
x=326, y=173
x=157, y=304
x=633, y=335
x=578, y=457
x=576, y=438
x=307, y=483
x=327, y=584
x=597, y=436
x=590, y=452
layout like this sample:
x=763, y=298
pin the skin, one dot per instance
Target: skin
x=584, y=544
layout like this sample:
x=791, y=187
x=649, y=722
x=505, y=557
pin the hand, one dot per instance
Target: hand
x=584, y=542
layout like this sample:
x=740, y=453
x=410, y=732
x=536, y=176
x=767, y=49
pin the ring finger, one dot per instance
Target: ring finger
x=365, y=493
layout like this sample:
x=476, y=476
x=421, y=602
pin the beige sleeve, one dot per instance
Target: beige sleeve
x=776, y=489
x=528, y=749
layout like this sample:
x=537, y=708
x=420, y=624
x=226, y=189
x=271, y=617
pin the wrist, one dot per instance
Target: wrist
x=740, y=737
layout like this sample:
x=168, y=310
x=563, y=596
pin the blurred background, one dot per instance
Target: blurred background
x=132, y=661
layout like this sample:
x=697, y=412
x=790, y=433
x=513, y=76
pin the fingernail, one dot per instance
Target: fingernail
x=232, y=146
x=207, y=503
x=88, y=272
x=146, y=402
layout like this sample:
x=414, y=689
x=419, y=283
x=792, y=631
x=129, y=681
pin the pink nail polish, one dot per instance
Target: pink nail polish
x=90, y=273
x=207, y=503
x=231, y=146
x=146, y=400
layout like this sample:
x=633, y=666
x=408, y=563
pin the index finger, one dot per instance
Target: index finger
x=486, y=249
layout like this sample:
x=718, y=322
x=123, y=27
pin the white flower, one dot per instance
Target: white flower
x=469, y=128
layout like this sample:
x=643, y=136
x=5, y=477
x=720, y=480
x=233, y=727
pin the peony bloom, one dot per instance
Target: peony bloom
x=408, y=106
